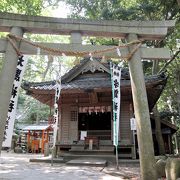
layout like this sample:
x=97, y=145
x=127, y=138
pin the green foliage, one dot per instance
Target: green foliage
x=37, y=70
x=30, y=110
x=172, y=89
x=124, y=10
x=28, y=7
x=1, y=61
x=140, y=10
x=102, y=10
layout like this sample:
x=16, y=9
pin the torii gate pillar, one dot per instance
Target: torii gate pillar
x=144, y=133
x=9, y=67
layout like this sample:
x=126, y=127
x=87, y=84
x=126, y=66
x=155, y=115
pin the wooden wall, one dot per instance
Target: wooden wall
x=125, y=132
x=69, y=122
x=64, y=124
x=73, y=124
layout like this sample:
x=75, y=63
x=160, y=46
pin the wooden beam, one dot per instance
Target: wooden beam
x=93, y=99
x=146, y=53
x=49, y=25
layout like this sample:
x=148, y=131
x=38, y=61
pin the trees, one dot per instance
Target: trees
x=16, y=6
x=137, y=10
x=123, y=10
x=22, y=6
x=142, y=10
x=29, y=7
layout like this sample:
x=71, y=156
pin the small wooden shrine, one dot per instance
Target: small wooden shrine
x=86, y=108
x=37, y=137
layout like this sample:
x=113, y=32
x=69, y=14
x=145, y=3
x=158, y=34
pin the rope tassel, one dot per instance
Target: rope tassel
x=118, y=52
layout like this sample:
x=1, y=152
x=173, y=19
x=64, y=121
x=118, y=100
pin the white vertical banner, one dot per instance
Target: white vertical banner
x=56, y=109
x=116, y=95
x=9, y=127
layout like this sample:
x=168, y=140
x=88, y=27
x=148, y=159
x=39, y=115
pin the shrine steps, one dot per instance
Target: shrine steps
x=80, y=149
x=109, y=158
x=97, y=162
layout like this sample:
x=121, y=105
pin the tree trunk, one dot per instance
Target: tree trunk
x=144, y=132
x=169, y=102
x=178, y=93
x=49, y=64
x=158, y=131
x=6, y=80
x=157, y=119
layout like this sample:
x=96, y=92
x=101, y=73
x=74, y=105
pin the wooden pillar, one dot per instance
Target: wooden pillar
x=6, y=81
x=28, y=140
x=169, y=144
x=144, y=132
x=47, y=134
x=42, y=143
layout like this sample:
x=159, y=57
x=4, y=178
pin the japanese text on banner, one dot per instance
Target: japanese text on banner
x=116, y=76
x=8, y=132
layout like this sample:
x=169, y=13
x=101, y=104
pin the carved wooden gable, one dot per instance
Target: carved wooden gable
x=91, y=66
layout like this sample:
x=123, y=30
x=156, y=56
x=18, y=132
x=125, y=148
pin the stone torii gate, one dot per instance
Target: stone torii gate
x=129, y=30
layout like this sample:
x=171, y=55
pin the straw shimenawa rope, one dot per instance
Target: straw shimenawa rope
x=74, y=53
x=14, y=46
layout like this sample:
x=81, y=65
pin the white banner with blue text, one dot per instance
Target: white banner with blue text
x=9, y=127
x=116, y=95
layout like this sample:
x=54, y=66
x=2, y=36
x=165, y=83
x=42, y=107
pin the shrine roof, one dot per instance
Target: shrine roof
x=90, y=83
x=37, y=128
x=93, y=76
x=83, y=76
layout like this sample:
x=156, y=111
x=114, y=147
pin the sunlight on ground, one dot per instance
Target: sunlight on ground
x=17, y=166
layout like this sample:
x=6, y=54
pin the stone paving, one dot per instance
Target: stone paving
x=17, y=167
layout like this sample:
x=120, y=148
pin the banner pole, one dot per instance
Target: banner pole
x=56, y=112
x=134, y=142
x=115, y=142
x=117, y=160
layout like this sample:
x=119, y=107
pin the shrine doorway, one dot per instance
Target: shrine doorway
x=96, y=124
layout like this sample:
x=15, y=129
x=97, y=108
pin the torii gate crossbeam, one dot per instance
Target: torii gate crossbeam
x=146, y=53
x=48, y=25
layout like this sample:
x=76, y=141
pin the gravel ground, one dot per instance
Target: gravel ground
x=17, y=167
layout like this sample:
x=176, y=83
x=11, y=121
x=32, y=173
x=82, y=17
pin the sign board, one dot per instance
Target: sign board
x=83, y=135
x=133, y=124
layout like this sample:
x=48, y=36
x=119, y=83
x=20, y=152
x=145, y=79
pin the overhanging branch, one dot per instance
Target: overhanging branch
x=170, y=60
